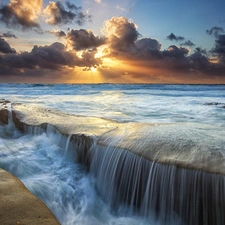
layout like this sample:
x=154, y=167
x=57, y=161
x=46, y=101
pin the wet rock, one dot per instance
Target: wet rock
x=17, y=122
x=219, y=104
x=3, y=116
x=4, y=102
x=213, y=103
x=199, y=147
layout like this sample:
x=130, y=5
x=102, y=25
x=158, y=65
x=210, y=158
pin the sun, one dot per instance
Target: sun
x=93, y=69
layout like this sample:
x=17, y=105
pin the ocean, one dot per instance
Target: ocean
x=63, y=184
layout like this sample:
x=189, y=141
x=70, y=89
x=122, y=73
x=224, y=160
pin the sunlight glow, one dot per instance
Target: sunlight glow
x=93, y=69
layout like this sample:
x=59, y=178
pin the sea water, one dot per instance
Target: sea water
x=47, y=167
x=124, y=103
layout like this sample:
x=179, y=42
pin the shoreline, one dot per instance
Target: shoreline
x=19, y=206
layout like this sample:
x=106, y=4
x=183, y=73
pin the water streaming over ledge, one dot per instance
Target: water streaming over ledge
x=130, y=189
x=163, y=193
x=38, y=159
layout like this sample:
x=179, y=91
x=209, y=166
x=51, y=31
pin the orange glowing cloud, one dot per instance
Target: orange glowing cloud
x=22, y=13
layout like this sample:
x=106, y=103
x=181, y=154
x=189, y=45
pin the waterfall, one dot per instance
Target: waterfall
x=67, y=144
x=6, y=118
x=79, y=144
x=133, y=185
x=165, y=193
x=9, y=107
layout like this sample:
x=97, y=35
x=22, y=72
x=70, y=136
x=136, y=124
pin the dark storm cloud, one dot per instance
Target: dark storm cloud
x=148, y=43
x=148, y=48
x=21, y=14
x=58, y=14
x=199, y=60
x=215, y=31
x=8, y=35
x=83, y=39
x=175, y=52
x=219, y=49
x=201, y=63
x=188, y=43
x=175, y=59
x=5, y=47
x=221, y=40
x=173, y=37
x=54, y=57
x=200, y=50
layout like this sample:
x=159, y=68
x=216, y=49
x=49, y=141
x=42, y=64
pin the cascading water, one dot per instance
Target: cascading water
x=163, y=193
x=68, y=143
x=130, y=185
x=39, y=161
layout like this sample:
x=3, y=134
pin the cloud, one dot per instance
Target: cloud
x=21, y=14
x=121, y=34
x=200, y=50
x=123, y=43
x=148, y=48
x=5, y=47
x=58, y=14
x=89, y=60
x=8, y=35
x=221, y=40
x=126, y=55
x=26, y=14
x=219, y=48
x=173, y=37
x=53, y=57
x=199, y=60
x=188, y=43
x=58, y=33
x=175, y=52
x=83, y=39
x=215, y=31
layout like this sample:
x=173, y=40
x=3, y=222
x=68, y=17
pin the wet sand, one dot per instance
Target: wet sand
x=18, y=206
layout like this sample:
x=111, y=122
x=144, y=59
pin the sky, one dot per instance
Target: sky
x=105, y=41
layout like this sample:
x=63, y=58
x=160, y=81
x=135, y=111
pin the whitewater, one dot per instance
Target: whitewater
x=47, y=164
